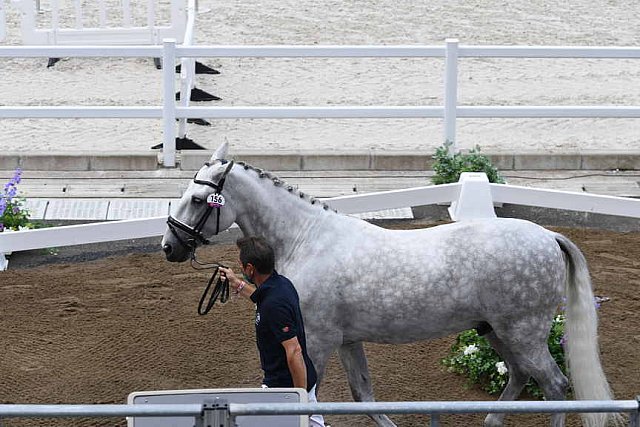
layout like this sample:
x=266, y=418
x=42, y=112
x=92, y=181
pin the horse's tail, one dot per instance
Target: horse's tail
x=581, y=330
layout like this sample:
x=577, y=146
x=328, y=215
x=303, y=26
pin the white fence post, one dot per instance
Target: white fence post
x=126, y=13
x=151, y=20
x=475, y=200
x=55, y=20
x=450, y=92
x=169, y=103
x=187, y=68
x=102, y=14
x=3, y=22
x=79, y=18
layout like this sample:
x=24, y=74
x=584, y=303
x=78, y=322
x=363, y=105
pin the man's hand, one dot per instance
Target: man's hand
x=234, y=281
x=239, y=286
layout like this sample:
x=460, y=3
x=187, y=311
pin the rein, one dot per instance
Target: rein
x=220, y=290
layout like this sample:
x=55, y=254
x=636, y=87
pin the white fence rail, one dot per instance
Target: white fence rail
x=581, y=202
x=450, y=111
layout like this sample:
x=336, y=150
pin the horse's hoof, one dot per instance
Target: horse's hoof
x=383, y=421
x=493, y=420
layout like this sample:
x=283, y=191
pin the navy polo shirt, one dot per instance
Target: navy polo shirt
x=278, y=318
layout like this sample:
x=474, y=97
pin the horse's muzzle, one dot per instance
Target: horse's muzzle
x=167, y=249
x=173, y=255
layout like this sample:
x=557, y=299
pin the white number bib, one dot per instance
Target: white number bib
x=215, y=200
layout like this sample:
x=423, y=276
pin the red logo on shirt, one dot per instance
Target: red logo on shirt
x=285, y=329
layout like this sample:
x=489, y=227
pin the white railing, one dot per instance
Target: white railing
x=472, y=197
x=124, y=32
x=450, y=111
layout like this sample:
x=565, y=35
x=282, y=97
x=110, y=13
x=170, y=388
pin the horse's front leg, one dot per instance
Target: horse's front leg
x=355, y=364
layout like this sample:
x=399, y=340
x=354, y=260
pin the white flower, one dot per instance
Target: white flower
x=21, y=228
x=470, y=349
x=502, y=368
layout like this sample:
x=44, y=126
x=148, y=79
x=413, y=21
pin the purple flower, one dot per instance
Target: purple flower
x=563, y=340
x=12, y=193
x=16, y=177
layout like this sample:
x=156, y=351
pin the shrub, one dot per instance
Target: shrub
x=448, y=167
x=13, y=215
x=472, y=356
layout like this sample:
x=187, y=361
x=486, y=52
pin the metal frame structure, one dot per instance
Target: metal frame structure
x=224, y=414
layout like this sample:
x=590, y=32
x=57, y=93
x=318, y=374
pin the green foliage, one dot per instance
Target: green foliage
x=13, y=215
x=472, y=356
x=448, y=167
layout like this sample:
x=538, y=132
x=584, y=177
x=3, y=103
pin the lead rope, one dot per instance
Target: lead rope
x=220, y=290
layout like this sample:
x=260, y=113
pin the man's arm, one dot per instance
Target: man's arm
x=295, y=361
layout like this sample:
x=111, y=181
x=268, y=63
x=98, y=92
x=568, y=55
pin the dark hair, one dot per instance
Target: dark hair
x=258, y=252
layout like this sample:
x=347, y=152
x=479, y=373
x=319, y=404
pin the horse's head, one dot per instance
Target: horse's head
x=202, y=211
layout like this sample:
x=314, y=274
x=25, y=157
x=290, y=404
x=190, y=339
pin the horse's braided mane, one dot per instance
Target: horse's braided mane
x=280, y=183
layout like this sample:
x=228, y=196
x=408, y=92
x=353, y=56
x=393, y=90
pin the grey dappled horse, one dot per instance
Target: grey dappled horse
x=358, y=282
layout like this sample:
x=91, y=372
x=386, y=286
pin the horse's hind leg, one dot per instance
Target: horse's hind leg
x=517, y=378
x=551, y=380
x=355, y=364
x=529, y=358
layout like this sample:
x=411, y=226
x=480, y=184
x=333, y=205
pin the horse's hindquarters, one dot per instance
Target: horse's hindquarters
x=422, y=284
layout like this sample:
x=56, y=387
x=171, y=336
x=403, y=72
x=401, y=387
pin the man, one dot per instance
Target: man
x=279, y=327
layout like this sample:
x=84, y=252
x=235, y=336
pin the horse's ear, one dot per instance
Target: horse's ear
x=221, y=152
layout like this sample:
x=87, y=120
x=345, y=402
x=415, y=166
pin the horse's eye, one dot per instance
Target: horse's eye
x=197, y=200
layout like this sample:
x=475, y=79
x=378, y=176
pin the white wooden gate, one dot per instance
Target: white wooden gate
x=101, y=22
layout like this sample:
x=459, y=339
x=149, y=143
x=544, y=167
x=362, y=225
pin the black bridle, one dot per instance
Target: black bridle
x=195, y=232
x=221, y=288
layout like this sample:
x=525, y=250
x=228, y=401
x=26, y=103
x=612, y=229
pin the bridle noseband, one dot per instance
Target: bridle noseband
x=195, y=232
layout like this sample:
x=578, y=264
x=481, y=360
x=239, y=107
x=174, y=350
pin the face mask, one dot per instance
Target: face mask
x=247, y=278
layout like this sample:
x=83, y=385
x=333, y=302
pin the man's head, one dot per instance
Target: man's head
x=256, y=256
